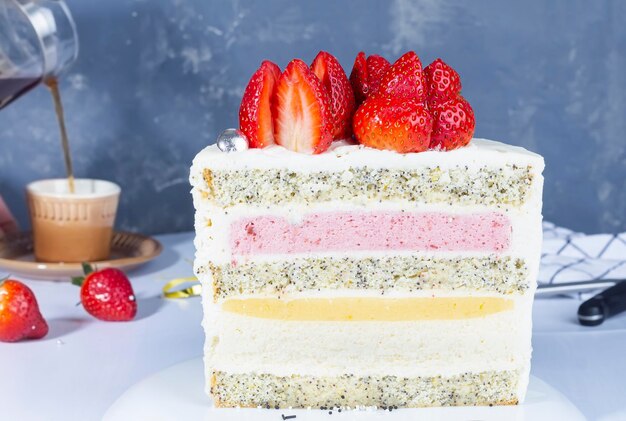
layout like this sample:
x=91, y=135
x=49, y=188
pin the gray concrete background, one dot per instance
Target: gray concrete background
x=157, y=80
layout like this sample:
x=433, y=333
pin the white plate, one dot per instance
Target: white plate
x=177, y=393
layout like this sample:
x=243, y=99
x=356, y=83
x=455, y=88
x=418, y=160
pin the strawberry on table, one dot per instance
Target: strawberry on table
x=333, y=77
x=443, y=82
x=405, y=79
x=255, y=116
x=399, y=124
x=107, y=294
x=453, y=125
x=301, y=109
x=20, y=317
x=366, y=75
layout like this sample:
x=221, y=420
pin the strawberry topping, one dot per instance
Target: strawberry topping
x=454, y=124
x=385, y=122
x=301, y=109
x=443, y=82
x=333, y=77
x=405, y=79
x=255, y=117
x=397, y=106
x=366, y=75
x=377, y=66
x=358, y=78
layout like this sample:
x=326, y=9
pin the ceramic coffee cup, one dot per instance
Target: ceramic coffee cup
x=72, y=227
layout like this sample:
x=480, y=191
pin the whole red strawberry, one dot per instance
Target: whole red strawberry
x=443, y=82
x=301, y=109
x=333, y=77
x=453, y=125
x=255, y=115
x=366, y=75
x=404, y=79
x=20, y=317
x=399, y=124
x=107, y=294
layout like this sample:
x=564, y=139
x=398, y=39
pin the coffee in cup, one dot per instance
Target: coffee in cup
x=72, y=227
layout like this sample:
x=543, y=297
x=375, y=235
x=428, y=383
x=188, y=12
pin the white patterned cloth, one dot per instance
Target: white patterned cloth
x=569, y=256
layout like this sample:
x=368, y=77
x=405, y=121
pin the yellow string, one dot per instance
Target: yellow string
x=188, y=292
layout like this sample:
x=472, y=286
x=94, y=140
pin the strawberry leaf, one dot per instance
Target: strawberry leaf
x=87, y=269
x=78, y=280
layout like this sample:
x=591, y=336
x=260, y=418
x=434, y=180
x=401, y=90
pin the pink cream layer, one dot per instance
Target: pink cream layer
x=371, y=231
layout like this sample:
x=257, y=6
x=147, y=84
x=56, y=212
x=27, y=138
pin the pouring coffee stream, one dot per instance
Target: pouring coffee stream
x=38, y=42
x=53, y=84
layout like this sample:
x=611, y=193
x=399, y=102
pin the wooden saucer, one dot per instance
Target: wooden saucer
x=128, y=250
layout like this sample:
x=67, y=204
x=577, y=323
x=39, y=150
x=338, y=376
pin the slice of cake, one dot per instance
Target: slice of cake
x=351, y=276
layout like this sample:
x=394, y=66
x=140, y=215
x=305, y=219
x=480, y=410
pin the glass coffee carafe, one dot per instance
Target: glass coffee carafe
x=38, y=42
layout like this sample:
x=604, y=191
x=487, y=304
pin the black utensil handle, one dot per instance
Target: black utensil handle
x=608, y=303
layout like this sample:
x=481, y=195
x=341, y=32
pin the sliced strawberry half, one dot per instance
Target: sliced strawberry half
x=358, y=78
x=333, y=77
x=398, y=124
x=453, y=125
x=366, y=75
x=443, y=82
x=405, y=79
x=301, y=110
x=255, y=116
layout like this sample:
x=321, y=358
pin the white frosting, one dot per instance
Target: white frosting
x=343, y=155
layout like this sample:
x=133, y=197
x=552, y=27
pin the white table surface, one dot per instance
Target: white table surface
x=84, y=365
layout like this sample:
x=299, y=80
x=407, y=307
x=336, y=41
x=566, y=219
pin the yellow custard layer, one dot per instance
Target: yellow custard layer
x=368, y=309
